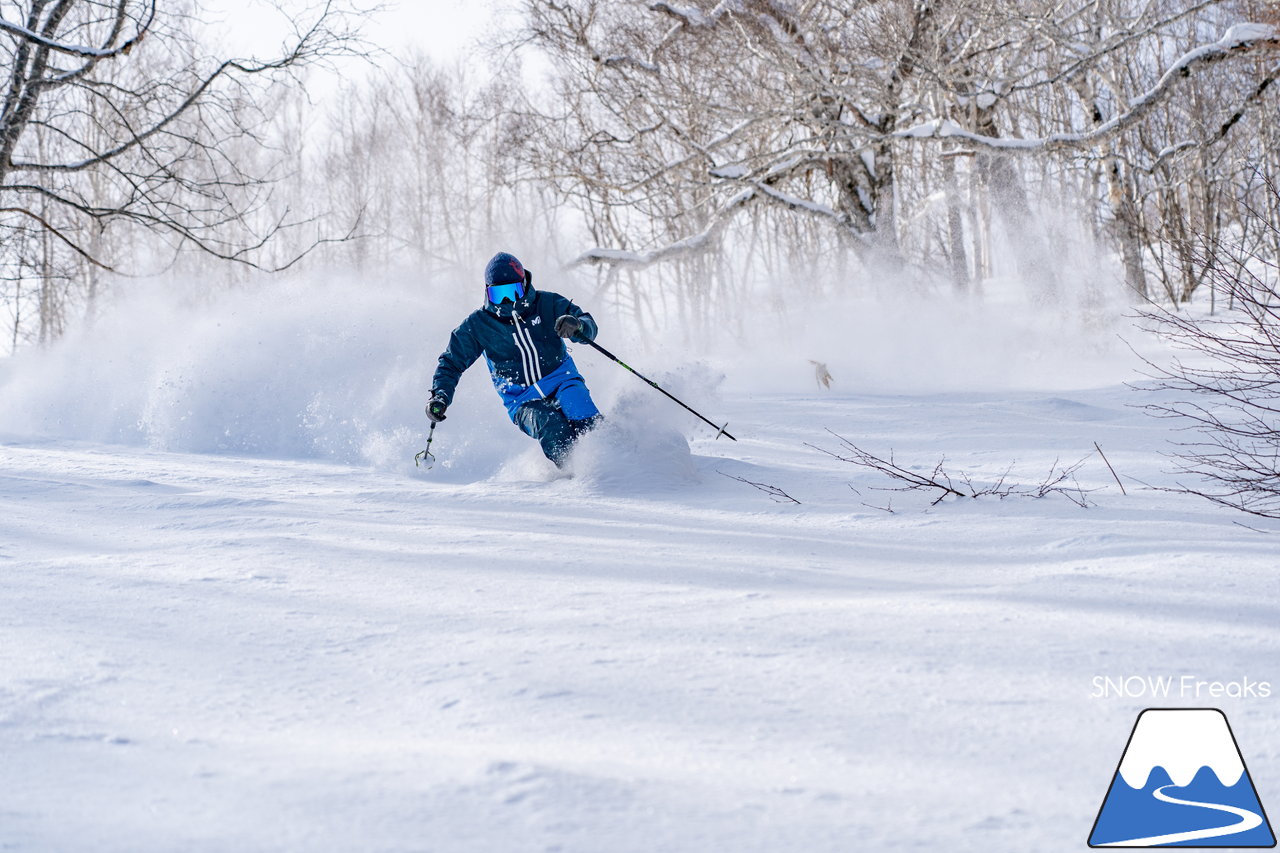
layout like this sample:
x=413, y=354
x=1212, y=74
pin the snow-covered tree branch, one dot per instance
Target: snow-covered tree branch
x=852, y=119
x=1237, y=41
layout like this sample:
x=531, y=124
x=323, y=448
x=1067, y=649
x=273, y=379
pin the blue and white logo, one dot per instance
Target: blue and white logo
x=1182, y=782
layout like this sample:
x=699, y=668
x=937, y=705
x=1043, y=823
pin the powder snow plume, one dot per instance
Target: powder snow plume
x=328, y=371
x=340, y=370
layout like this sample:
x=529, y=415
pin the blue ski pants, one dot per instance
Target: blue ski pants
x=558, y=421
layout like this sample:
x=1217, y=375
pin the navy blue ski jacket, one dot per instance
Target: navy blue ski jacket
x=527, y=359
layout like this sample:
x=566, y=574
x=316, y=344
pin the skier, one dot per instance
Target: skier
x=520, y=332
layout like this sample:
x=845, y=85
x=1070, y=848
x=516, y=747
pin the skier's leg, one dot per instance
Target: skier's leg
x=543, y=420
x=581, y=427
x=575, y=400
x=576, y=403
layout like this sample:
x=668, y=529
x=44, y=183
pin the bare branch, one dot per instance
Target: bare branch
x=110, y=49
x=55, y=232
x=775, y=493
x=1230, y=404
x=1060, y=480
x=1238, y=40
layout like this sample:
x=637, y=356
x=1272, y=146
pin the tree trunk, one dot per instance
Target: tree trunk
x=1030, y=249
x=1127, y=230
x=956, y=255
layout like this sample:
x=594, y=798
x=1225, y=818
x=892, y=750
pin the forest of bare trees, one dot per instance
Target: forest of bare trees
x=914, y=134
x=687, y=154
x=124, y=143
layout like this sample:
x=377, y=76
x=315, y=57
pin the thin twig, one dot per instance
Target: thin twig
x=1112, y=470
x=1254, y=529
x=776, y=494
x=1060, y=480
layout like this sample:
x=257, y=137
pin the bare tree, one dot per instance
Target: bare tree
x=693, y=114
x=1228, y=393
x=113, y=117
x=677, y=124
x=430, y=158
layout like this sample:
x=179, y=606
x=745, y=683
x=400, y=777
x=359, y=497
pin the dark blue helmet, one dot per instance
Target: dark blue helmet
x=508, y=285
x=504, y=268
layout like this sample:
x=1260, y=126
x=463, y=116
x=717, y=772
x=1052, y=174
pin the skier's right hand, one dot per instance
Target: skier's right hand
x=568, y=325
x=435, y=408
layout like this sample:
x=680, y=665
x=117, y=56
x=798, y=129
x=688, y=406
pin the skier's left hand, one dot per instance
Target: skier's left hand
x=436, y=407
x=568, y=325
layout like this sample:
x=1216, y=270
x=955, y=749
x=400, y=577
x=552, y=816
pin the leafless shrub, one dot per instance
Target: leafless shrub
x=1227, y=391
x=1060, y=480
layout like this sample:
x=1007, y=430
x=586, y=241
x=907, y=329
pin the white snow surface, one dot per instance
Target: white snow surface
x=236, y=617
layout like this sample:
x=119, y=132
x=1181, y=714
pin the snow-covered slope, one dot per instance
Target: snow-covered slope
x=211, y=652
x=286, y=648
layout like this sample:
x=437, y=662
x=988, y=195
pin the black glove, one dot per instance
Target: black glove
x=568, y=325
x=435, y=409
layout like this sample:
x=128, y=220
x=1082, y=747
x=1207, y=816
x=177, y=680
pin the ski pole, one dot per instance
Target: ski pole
x=426, y=455
x=720, y=430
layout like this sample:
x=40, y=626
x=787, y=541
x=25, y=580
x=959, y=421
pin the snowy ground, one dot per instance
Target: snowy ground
x=234, y=616
x=212, y=651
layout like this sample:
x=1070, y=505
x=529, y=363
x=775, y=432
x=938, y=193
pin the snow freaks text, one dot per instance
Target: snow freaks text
x=1176, y=687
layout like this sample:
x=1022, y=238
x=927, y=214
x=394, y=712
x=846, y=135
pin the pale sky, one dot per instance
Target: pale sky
x=444, y=29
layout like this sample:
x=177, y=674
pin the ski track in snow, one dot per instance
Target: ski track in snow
x=212, y=652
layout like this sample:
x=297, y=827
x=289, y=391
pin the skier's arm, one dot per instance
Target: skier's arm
x=588, y=330
x=462, y=352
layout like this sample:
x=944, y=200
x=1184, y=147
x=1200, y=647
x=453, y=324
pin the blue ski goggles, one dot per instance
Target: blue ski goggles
x=499, y=293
